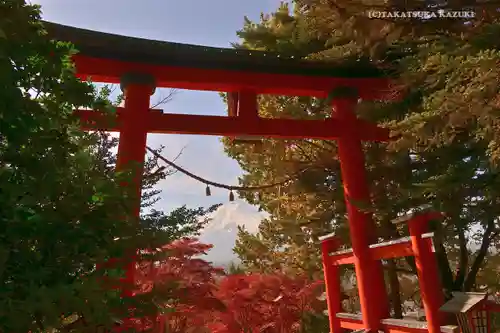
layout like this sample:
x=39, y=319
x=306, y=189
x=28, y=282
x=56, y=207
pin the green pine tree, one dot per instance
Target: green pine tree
x=61, y=205
x=447, y=154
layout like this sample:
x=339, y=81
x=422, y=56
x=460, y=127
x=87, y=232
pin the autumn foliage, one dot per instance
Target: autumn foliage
x=188, y=282
x=266, y=303
x=204, y=299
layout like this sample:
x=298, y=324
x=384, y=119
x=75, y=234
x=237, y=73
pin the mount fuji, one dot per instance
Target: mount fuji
x=222, y=230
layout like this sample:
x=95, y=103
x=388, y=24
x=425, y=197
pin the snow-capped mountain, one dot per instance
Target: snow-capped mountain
x=222, y=230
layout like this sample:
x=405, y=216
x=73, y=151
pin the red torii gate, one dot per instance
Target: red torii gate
x=141, y=65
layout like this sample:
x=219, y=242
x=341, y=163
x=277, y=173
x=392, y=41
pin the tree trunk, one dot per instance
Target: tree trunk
x=395, y=295
x=389, y=232
x=445, y=272
x=463, y=260
x=470, y=281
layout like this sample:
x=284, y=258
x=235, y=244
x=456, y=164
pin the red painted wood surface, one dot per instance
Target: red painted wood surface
x=351, y=324
x=369, y=274
x=341, y=259
x=110, y=71
x=354, y=324
x=157, y=122
x=131, y=156
x=384, y=252
x=400, y=329
x=431, y=290
x=392, y=251
x=332, y=284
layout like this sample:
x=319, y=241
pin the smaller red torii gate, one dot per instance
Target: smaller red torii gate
x=141, y=65
x=418, y=245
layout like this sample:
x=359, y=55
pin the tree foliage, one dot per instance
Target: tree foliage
x=207, y=300
x=179, y=223
x=60, y=199
x=446, y=156
x=189, y=282
x=272, y=303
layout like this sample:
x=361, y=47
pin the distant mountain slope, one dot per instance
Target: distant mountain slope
x=222, y=231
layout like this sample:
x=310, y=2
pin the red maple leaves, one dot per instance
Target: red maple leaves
x=202, y=299
x=185, y=284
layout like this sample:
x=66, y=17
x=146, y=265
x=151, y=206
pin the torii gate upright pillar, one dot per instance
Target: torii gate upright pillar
x=369, y=273
x=137, y=90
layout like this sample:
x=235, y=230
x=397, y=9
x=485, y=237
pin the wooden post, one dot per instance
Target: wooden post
x=132, y=145
x=428, y=276
x=329, y=244
x=369, y=274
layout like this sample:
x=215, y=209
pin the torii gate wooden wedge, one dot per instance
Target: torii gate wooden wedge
x=141, y=65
